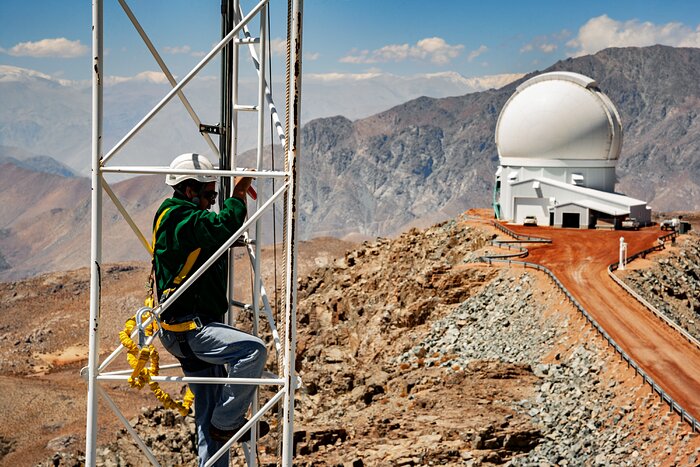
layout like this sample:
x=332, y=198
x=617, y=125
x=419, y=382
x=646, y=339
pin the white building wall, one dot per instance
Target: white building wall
x=550, y=196
x=597, y=178
x=602, y=179
x=642, y=213
x=527, y=206
x=583, y=215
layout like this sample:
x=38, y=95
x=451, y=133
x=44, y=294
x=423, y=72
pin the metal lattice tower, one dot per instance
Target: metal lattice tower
x=236, y=40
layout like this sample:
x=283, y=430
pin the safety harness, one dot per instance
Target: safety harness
x=140, y=354
x=140, y=376
x=186, y=268
x=190, y=362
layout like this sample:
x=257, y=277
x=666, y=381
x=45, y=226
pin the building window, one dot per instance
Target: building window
x=577, y=179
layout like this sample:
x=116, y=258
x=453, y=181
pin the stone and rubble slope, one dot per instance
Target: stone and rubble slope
x=420, y=356
x=672, y=283
x=411, y=353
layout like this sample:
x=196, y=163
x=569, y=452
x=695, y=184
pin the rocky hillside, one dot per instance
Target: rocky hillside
x=411, y=353
x=426, y=332
x=672, y=284
x=432, y=158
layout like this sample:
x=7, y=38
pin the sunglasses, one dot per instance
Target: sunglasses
x=210, y=195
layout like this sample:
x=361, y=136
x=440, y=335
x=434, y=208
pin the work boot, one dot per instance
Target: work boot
x=224, y=436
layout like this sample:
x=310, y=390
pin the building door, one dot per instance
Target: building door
x=571, y=220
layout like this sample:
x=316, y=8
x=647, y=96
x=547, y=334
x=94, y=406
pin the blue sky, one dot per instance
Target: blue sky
x=408, y=37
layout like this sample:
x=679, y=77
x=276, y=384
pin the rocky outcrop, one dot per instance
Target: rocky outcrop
x=572, y=405
x=672, y=284
x=410, y=353
x=170, y=437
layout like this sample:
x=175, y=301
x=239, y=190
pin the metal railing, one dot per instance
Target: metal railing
x=522, y=252
x=673, y=405
x=659, y=314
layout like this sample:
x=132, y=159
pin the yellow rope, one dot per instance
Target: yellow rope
x=138, y=358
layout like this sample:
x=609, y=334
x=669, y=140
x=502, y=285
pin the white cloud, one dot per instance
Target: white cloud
x=433, y=49
x=561, y=36
x=12, y=73
x=336, y=77
x=603, y=31
x=278, y=47
x=475, y=53
x=185, y=49
x=58, y=48
x=546, y=43
x=154, y=77
x=312, y=56
x=426, y=79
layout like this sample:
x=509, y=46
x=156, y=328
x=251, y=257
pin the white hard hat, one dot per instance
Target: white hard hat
x=190, y=161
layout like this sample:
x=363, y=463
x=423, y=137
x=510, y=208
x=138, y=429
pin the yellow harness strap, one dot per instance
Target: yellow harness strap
x=179, y=327
x=141, y=375
x=155, y=229
x=138, y=358
x=191, y=258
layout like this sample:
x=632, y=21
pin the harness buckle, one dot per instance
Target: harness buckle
x=140, y=324
x=197, y=322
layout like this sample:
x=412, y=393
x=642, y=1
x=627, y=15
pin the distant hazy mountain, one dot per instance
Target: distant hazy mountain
x=26, y=160
x=45, y=220
x=413, y=164
x=430, y=158
x=361, y=95
x=44, y=115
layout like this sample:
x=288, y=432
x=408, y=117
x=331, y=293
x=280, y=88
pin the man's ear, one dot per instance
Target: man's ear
x=192, y=195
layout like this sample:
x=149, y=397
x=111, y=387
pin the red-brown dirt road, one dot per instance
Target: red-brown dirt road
x=579, y=259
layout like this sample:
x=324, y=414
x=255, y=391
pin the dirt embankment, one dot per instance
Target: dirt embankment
x=410, y=353
x=671, y=282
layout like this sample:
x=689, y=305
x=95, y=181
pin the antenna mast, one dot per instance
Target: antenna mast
x=236, y=37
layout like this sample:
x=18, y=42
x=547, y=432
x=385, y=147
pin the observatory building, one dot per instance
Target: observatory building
x=558, y=139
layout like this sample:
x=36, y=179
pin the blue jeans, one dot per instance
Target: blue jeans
x=223, y=406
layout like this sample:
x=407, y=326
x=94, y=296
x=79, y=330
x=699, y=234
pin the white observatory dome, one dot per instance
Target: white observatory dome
x=558, y=116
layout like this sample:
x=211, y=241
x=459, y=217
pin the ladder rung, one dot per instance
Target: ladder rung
x=246, y=108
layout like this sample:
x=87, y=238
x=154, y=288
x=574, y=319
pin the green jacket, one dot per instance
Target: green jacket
x=180, y=228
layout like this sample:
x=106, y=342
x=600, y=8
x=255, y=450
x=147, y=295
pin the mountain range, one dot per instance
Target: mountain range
x=45, y=115
x=413, y=164
x=431, y=158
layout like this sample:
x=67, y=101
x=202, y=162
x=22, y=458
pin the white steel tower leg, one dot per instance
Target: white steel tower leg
x=233, y=146
x=257, y=281
x=294, y=137
x=95, y=233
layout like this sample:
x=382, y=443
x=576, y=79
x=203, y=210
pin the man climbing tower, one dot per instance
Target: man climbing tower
x=186, y=234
